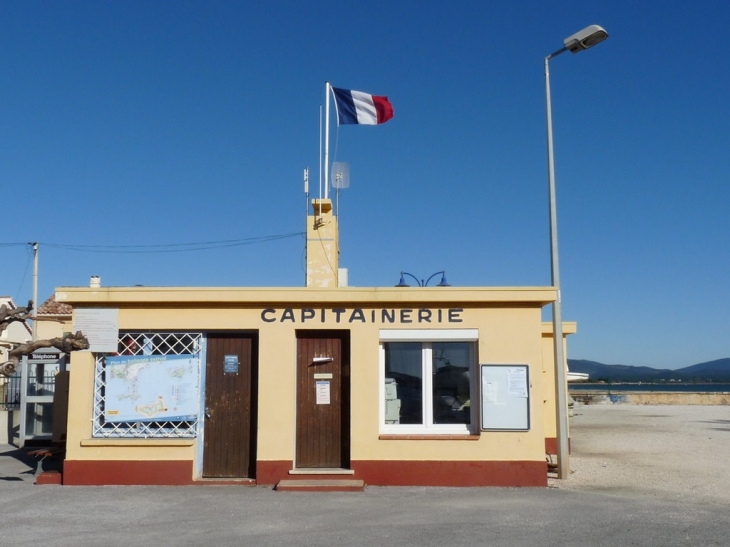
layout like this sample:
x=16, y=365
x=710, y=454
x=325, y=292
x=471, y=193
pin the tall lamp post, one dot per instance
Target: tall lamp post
x=584, y=39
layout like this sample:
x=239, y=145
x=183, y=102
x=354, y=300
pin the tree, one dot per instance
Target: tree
x=67, y=343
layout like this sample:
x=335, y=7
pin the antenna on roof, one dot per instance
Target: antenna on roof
x=340, y=179
x=340, y=175
x=306, y=191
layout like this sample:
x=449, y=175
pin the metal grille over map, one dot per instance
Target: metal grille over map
x=150, y=388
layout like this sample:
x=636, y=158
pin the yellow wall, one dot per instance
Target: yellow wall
x=548, y=372
x=51, y=328
x=322, y=246
x=508, y=322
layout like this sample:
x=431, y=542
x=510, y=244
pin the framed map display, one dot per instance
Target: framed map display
x=145, y=388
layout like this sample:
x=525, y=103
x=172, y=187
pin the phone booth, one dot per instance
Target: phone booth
x=38, y=380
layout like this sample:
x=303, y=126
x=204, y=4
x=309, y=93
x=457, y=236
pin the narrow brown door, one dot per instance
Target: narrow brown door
x=323, y=399
x=230, y=388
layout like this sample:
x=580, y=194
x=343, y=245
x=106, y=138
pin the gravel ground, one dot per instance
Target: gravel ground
x=666, y=452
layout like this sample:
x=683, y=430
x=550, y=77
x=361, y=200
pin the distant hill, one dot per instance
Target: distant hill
x=711, y=371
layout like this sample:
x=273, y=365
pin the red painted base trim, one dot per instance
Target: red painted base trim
x=114, y=472
x=374, y=473
x=271, y=472
x=454, y=473
x=424, y=473
x=551, y=445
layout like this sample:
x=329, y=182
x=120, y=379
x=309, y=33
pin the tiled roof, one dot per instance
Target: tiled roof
x=51, y=307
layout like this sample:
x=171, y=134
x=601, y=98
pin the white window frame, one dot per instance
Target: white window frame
x=426, y=337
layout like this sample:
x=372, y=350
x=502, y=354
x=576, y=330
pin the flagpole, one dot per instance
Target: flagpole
x=326, y=139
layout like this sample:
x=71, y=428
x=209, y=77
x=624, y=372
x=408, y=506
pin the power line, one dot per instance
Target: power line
x=163, y=248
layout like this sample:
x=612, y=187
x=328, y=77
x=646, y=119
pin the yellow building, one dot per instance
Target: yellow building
x=54, y=319
x=386, y=385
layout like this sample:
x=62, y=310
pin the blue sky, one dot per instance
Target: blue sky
x=129, y=124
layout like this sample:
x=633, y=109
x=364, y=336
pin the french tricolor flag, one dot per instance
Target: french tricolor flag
x=361, y=108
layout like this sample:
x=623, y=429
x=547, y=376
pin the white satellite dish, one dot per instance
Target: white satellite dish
x=340, y=175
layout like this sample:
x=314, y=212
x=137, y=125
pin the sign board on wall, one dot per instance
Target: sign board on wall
x=146, y=388
x=230, y=364
x=100, y=326
x=505, y=397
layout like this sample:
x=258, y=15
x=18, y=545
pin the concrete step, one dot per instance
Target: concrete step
x=49, y=477
x=320, y=485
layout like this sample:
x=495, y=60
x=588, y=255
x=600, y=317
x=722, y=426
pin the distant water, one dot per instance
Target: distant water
x=664, y=386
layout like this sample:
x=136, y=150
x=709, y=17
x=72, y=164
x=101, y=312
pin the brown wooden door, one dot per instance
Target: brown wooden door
x=323, y=399
x=230, y=392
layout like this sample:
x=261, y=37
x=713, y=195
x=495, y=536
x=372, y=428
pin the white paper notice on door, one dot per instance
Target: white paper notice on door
x=323, y=392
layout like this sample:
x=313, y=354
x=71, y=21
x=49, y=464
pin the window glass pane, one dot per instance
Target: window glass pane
x=404, y=375
x=450, y=363
x=41, y=379
x=38, y=419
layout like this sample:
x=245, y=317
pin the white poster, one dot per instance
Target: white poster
x=517, y=382
x=490, y=392
x=100, y=326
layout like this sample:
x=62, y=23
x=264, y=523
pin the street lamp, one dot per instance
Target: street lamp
x=421, y=282
x=584, y=39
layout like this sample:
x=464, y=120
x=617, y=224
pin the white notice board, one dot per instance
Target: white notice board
x=100, y=326
x=505, y=397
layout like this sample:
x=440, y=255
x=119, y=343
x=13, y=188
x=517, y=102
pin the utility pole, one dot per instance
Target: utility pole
x=35, y=290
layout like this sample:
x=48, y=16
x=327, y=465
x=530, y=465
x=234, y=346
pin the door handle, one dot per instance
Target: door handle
x=207, y=412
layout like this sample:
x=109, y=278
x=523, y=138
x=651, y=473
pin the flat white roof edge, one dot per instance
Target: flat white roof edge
x=278, y=295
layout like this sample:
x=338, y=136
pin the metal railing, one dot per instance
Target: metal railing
x=42, y=384
x=10, y=392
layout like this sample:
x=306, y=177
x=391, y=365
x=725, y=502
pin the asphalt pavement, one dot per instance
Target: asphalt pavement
x=393, y=516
